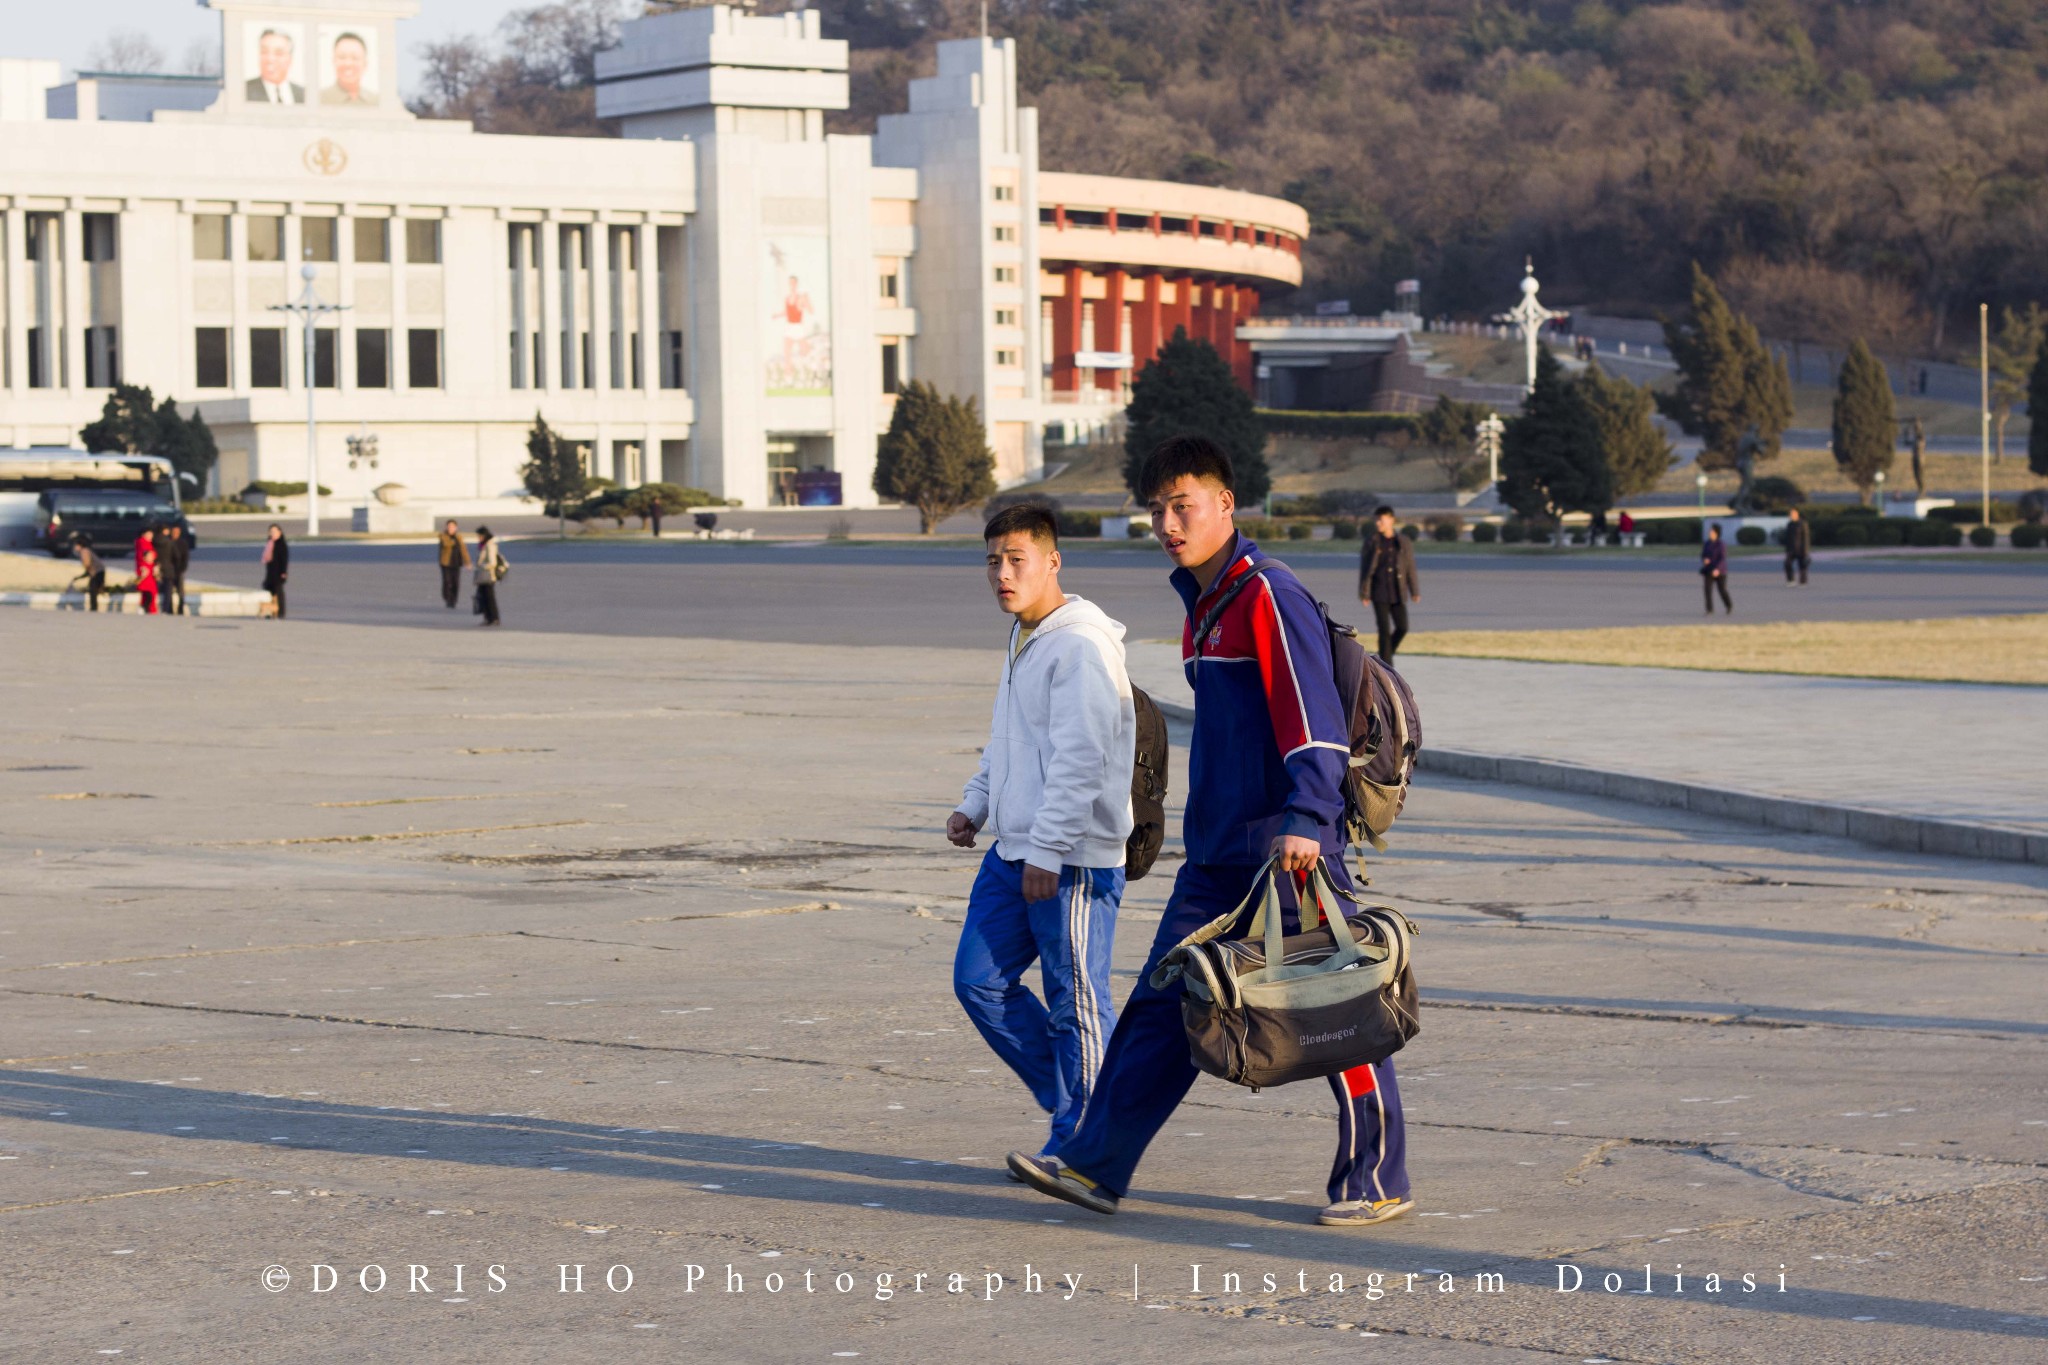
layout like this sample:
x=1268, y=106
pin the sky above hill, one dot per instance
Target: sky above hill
x=68, y=32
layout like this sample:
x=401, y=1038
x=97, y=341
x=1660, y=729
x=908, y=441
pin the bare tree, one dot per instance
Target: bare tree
x=202, y=57
x=126, y=50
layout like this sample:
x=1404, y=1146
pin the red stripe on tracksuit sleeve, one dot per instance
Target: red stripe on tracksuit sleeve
x=1276, y=671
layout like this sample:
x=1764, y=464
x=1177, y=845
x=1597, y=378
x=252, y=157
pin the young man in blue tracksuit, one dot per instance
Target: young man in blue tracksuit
x=1271, y=741
x=1054, y=788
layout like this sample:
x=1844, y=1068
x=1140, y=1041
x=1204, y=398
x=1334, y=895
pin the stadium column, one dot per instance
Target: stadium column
x=1241, y=351
x=1180, y=314
x=1109, y=325
x=1066, y=332
x=1145, y=318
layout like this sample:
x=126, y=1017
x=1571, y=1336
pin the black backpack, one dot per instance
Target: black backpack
x=1148, y=788
x=1386, y=727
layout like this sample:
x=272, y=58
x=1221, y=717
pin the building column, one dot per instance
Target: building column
x=1066, y=333
x=599, y=280
x=70, y=272
x=15, y=296
x=1109, y=326
x=648, y=238
x=1179, y=313
x=1241, y=351
x=1145, y=319
x=547, y=239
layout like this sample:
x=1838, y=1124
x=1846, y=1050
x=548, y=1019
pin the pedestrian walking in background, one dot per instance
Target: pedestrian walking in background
x=174, y=556
x=92, y=569
x=1386, y=581
x=454, y=559
x=1714, y=569
x=145, y=571
x=1054, y=788
x=1798, y=546
x=277, y=563
x=490, y=570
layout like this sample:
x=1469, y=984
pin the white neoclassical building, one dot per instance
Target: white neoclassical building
x=725, y=297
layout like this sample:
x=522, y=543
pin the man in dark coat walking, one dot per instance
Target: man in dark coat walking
x=1798, y=546
x=1386, y=581
x=1714, y=569
x=454, y=559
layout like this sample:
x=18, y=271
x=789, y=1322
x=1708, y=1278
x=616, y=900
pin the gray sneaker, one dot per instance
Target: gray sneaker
x=1358, y=1213
x=1047, y=1176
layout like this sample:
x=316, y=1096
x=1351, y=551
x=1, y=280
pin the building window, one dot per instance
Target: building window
x=266, y=237
x=373, y=358
x=423, y=241
x=266, y=357
x=99, y=236
x=1173, y=225
x=672, y=359
x=1049, y=216
x=1133, y=222
x=102, y=358
x=325, y=341
x=1007, y=359
x=1005, y=233
x=209, y=236
x=891, y=285
x=1006, y=194
x=1006, y=317
x=423, y=358
x=892, y=367
x=210, y=349
x=372, y=240
x=1006, y=274
x=319, y=239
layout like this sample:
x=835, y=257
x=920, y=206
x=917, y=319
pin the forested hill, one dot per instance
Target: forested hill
x=1881, y=165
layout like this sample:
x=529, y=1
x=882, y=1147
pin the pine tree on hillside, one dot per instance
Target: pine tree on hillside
x=1551, y=460
x=1637, y=453
x=2037, y=413
x=935, y=455
x=1864, y=429
x=1187, y=389
x=1727, y=379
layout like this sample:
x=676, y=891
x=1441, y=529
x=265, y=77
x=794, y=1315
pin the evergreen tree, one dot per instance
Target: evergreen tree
x=1864, y=430
x=935, y=455
x=2037, y=413
x=187, y=443
x=1864, y=424
x=1727, y=380
x=1636, y=452
x=1551, y=461
x=553, y=472
x=1188, y=390
x=127, y=425
x=1446, y=431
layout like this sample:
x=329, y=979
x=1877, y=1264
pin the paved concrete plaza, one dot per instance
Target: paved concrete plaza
x=336, y=945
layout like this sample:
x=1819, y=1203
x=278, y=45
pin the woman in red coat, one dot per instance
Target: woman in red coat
x=145, y=571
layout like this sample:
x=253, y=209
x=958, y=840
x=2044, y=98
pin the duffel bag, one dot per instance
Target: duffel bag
x=1266, y=1009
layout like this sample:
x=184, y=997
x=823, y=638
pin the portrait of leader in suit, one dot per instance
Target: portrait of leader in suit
x=351, y=75
x=276, y=55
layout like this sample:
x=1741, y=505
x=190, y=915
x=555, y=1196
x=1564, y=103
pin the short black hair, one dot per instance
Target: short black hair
x=1383, y=512
x=1032, y=518
x=1184, y=457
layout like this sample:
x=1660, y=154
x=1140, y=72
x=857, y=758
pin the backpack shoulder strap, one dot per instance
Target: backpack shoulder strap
x=1216, y=608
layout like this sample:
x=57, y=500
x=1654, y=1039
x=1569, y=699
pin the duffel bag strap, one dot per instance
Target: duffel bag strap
x=1263, y=891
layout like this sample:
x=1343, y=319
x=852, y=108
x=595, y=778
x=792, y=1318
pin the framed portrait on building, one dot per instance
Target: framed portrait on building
x=348, y=66
x=274, y=56
x=796, y=289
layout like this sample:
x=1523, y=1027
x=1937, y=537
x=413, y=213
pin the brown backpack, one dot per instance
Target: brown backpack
x=1148, y=788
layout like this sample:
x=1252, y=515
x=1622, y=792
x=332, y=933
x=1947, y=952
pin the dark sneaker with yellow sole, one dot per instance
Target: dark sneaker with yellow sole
x=1047, y=1176
x=1359, y=1213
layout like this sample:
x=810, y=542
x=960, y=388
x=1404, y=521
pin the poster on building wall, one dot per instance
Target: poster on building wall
x=348, y=66
x=796, y=288
x=274, y=55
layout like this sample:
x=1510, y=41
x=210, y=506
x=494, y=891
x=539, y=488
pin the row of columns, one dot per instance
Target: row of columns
x=1210, y=309
x=1232, y=232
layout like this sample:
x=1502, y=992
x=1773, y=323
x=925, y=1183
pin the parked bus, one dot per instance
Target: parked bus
x=27, y=475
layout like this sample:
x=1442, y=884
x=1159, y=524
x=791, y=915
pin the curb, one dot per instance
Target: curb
x=128, y=604
x=1885, y=829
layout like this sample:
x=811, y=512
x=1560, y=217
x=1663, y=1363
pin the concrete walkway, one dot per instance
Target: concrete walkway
x=1953, y=752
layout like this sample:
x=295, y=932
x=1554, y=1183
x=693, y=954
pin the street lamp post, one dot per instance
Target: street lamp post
x=1490, y=430
x=309, y=307
x=1529, y=315
x=1879, y=477
x=1699, y=481
x=1984, y=399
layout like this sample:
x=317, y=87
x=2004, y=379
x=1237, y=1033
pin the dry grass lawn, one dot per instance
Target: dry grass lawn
x=1978, y=649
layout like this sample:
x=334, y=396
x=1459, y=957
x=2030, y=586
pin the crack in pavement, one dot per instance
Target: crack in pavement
x=122, y=1194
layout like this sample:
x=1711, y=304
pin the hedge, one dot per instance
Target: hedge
x=1079, y=525
x=1359, y=425
x=1485, y=533
x=1983, y=537
x=1749, y=535
x=1971, y=512
x=2028, y=536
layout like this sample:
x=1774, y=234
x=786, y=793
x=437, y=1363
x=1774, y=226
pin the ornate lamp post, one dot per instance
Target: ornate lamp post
x=308, y=306
x=1489, y=432
x=1529, y=315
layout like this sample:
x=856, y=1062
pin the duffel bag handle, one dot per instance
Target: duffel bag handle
x=1263, y=891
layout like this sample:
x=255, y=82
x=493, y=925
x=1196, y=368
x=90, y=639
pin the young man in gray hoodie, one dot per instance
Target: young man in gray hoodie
x=1054, y=787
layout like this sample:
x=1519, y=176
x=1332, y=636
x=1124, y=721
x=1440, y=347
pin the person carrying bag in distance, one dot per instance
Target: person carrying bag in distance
x=1266, y=768
x=1054, y=788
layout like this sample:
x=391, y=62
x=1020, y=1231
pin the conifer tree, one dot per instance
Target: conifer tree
x=1188, y=390
x=1727, y=379
x=553, y=472
x=1551, y=460
x=935, y=455
x=2037, y=412
x=1865, y=431
x=1636, y=452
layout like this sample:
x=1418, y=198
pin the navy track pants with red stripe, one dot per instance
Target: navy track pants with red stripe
x=1146, y=1071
